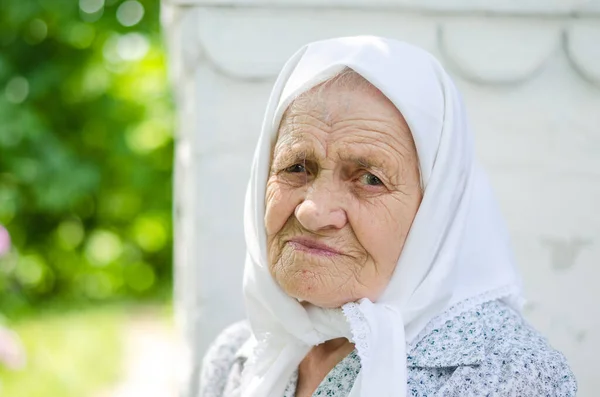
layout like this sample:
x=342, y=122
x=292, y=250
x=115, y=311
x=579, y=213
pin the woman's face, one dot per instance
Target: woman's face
x=342, y=193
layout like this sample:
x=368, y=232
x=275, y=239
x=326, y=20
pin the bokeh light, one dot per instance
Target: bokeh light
x=37, y=32
x=17, y=90
x=150, y=233
x=139, y=276
x=132, y=46
x=91, y=6
x=81, y=35
x=103, y=247
x=70, y=233
x=130, y=13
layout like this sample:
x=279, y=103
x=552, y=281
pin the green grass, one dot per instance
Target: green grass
x=69, y=354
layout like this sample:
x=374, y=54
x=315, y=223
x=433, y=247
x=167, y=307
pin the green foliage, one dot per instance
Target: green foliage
x=86, y=151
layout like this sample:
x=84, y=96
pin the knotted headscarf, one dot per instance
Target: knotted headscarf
x=457, y=252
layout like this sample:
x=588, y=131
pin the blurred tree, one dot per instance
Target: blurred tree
x=85, y=151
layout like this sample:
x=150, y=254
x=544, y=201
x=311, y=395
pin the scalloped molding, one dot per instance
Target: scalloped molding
x=496, y=51
x=242, y=45
x=581, y=44
x=503, y=7
x=255, y=53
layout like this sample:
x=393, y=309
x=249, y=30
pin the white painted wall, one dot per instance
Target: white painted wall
x=530, y=74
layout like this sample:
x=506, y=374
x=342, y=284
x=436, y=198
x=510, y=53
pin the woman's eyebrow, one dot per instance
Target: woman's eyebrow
x=365, y=162
x=294, y=154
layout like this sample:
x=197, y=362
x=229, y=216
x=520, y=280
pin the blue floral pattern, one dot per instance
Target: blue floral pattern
x=487, y=351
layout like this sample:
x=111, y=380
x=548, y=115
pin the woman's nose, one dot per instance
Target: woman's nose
x=321, y=209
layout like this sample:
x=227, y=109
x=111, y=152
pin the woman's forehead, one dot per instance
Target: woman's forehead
x=342, y=112
x=339, y=104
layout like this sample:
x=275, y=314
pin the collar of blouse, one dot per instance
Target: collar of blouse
x=455, y=343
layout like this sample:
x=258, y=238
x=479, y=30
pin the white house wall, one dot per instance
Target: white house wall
x=530, y=75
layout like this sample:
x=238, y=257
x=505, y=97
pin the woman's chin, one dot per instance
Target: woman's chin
x=309, y=278
x=308, y=287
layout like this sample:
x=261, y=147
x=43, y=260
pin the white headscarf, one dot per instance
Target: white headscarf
x=456, y=254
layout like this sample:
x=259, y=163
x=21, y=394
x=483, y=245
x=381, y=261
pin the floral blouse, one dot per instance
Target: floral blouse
x=487, y=351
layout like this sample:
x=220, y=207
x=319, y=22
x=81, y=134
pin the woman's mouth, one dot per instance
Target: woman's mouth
x=313, y=247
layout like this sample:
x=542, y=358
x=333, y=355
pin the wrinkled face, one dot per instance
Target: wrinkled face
x=342, y=193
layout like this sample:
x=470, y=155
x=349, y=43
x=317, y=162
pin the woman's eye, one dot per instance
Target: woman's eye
x=370, y=179
x=295, y=168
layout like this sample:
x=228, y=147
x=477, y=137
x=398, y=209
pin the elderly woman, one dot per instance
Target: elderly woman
x=377, y=264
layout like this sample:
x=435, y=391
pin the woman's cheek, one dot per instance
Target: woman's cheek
x=379, y=231
x=280, y=203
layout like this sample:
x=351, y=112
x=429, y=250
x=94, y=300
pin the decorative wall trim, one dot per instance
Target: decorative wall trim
x=548, y=8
